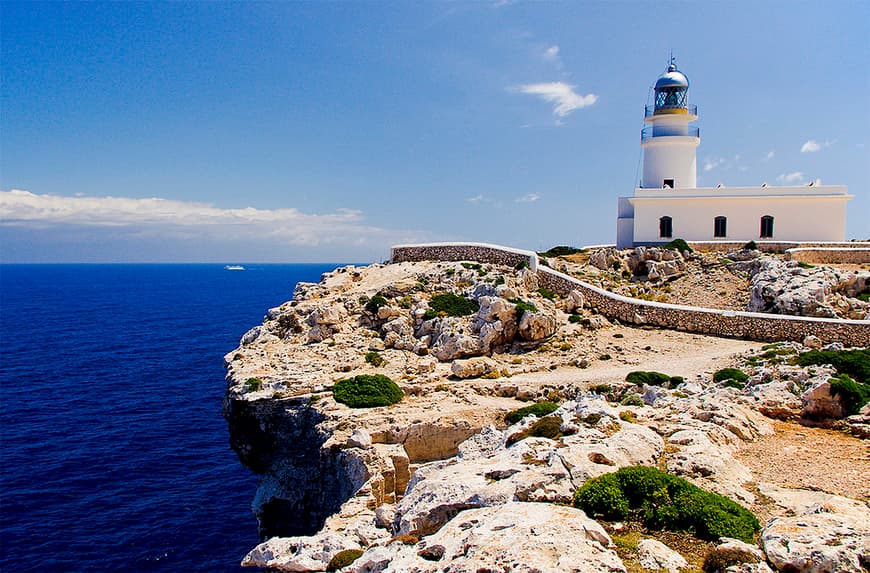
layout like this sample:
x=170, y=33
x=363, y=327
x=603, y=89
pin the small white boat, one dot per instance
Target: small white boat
x=234, y=268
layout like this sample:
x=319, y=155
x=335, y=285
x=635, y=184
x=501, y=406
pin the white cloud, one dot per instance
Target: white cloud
x=183, y=219
x=561, y=94
x=810, y=146
x=791, y=178
x=770, y=155
x=476, y=199
x=552, y=53
x=528, y=198
x=711, y=163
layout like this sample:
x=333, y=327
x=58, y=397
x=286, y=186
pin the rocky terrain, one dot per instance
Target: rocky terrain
x=739, y=280
x=440, y=482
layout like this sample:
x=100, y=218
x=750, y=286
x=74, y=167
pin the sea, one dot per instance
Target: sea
x=114, y=455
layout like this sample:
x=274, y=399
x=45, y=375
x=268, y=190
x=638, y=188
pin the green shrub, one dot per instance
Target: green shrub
x=253, y=384
x=523, y=307
x=855, y=363
x=632, y=400
x=731, y=374
x=453, y=305
x=804, y=265
x=546, y=427
x=375, y=303
x=628, y=416
x=601, y=388
x=429, y=314
x=864, y=297
x=751, y=246
x=374, y=358
x=852, y=394
x=663, y=501
x=575, y=318
x=732, y=383
x=561, y=251
x=366, y=391
x=474, y=266
x=547, y=294
x=521, y=265
x=343, y=559
x=678, y=244
x=640, y=378
x=539, y=409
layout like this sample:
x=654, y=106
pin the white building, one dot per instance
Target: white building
x=669, y=205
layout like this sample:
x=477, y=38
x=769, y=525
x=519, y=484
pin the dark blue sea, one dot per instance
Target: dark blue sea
x=113, y=451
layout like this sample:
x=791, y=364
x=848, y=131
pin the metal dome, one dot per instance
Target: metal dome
x=673, y=78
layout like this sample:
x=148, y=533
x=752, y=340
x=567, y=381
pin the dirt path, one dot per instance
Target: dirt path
x=811, y=458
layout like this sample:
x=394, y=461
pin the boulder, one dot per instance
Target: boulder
x=608, y=259
x=537, y=325
x=655, y=555
x=819, y=403
x=574, y=301
x=473, y=367
x=514, y=536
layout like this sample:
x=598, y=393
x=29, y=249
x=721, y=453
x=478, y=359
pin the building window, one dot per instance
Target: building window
x=719, y=226
x=668, y=184
x=767, y=227
x=666, y=230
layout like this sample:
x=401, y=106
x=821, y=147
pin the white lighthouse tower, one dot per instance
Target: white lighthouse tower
x=669, y=205
x=670, y=141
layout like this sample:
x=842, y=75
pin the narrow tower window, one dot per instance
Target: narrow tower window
x=767, y=227
x=665, y=228
x=719, y=226
x=668, y=184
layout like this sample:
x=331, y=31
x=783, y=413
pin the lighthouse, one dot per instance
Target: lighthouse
x=668, y=204
x=670, y=140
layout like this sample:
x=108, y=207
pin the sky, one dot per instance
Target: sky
x=328, y=131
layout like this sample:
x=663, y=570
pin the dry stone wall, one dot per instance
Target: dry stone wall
x=770, y=246
x=825, y=255
x=750, y=325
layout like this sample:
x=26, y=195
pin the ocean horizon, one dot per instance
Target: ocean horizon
x=115, y=453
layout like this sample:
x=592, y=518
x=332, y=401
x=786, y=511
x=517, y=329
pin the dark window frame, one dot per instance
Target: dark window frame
x=720, y=227
x=766, y=227
x=669, y=183
x=666, y=227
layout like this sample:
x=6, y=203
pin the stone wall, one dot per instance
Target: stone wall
x=770, y=246
x=825, y=255
x=749, y=325
x=481, y=252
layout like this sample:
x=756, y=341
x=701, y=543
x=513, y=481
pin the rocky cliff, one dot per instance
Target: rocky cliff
x=440, y=482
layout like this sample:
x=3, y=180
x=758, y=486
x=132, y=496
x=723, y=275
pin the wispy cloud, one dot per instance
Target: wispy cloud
x=770, y=155
x=711, y=163
x=528, y=198
x=476, y=199
x=552, y=53
x=562, y=95
x=811, y=146
x=790, y=178
x=156, y=216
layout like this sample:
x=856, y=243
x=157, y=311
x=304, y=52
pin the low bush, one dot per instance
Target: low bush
x=343, y=559
x=804, y=265
x=374, y=358
x=375, y=303
x=521, y=265
x=366, y=391
x=640, y=378
x=632, y=400
x=855, y=363
x=601, y=388
x=453, y=305
x=253, y=384
x=852, y=394
x=678, y=244
x=732, y=383
x=864, y=297
x=575, y=318
x=561, y=251
x=751, y=246
x=547, y=427
x=523, y=307
x=539, y=409
x=547, y=294
x=663, y=501
x=628, y=416
x=731, y=374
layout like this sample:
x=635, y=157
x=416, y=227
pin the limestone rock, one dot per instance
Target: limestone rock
x=829, y=533
x=537, y=325
x=655, y=555
x=818, y=402
x=515, y=536
x=736, y=550
x=608, y=259
x=473, y=367
x=574, y=301
x=298, y=553
x=360, y=438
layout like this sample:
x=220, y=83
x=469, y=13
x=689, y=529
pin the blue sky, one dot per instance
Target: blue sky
x=326, y=131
